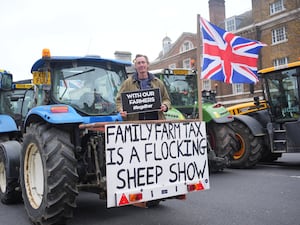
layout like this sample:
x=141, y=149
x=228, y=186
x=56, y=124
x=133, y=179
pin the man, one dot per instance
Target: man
x=140, y=80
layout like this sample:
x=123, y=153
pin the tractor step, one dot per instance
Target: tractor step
x=279, y=141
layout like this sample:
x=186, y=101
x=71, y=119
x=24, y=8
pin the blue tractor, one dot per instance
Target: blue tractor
x=58, y=158
x=10, y=147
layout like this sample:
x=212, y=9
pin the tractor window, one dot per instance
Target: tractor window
x=21, y=102
x=182, y=89
x=28, y=102
x=5, y=81
x=5, y=103
x=283, y=94
x=89, y=89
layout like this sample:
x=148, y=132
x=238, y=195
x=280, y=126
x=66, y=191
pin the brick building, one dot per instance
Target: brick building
x=273, y=22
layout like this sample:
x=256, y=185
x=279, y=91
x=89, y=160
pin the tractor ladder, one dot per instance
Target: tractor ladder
x=279, y=141
x=277, y=136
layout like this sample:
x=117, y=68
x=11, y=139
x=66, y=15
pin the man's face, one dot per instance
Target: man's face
x=141, y=64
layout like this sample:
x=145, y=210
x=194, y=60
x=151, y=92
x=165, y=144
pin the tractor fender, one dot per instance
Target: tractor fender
x=7, y=124
x=255, y=127
x=52, y=114
x=12, y=152
x=224, y=119
x=69, y=116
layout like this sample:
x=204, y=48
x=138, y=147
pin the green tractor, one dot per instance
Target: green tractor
x=183, y=91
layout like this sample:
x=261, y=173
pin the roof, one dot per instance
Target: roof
x=41, y=62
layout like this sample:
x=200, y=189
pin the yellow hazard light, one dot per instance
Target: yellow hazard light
x=46, y=53
x=195, y=187
x=135, y=197
x=59, y=109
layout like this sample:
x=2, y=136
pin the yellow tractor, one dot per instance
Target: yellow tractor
x=277, y=115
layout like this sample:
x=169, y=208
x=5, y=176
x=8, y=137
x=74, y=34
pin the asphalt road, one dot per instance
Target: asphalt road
x=266, y=195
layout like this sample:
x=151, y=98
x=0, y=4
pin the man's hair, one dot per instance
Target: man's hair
x=140, y=55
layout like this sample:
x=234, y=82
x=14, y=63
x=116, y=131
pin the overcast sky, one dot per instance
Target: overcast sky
x=98, y=27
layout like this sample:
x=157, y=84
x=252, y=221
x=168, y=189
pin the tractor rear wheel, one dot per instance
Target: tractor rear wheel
x=222, y=139
x=9, y=181
x=250, y=147
x=48, y=175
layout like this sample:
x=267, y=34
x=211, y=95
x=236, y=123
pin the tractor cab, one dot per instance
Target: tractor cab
x=88, y=84
x=5, y=92
x=15, y=98
x=282, y=94
x=182, y=87
x=282, y=91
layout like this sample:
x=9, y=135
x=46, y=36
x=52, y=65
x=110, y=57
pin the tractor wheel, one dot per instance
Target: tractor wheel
x=48, y=175
x=222, y=139
x=250, y=147
x=216, y=164
x=8, y=183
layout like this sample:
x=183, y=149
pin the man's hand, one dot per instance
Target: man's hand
x=164, y=108
x=123, y=113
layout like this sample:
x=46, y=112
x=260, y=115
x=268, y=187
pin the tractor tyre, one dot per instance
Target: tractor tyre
x=9, y=184
x=222, y=139
x=250, y=147
x=216, y=164
x=48, y=175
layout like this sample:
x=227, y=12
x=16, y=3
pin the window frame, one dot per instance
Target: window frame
x=238, y=88
x=276, y=7
x=206, y=85
x=280, y=61
x=186, y=63
x=232, y=26
x=279, y=35
x=186, y=46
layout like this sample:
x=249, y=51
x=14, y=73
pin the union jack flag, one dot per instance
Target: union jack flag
x=227, y=57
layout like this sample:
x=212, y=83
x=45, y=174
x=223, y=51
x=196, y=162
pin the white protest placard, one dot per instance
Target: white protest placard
x=157, y=160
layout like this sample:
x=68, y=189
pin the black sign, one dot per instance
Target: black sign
x=141, y=101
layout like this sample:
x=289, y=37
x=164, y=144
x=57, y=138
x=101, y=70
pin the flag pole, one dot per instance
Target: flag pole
x=199, y=83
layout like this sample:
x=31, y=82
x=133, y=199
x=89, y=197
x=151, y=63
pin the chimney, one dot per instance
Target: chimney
x=123, y=55
x=217, y=11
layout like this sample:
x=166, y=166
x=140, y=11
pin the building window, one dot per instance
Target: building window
x=278, y=35
x=230, y=24
x=186, y=63
x=276, y=7
x=187, y=45
x=281, y=61
x=172, y=66
x=206, y=85
x=237, y=88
